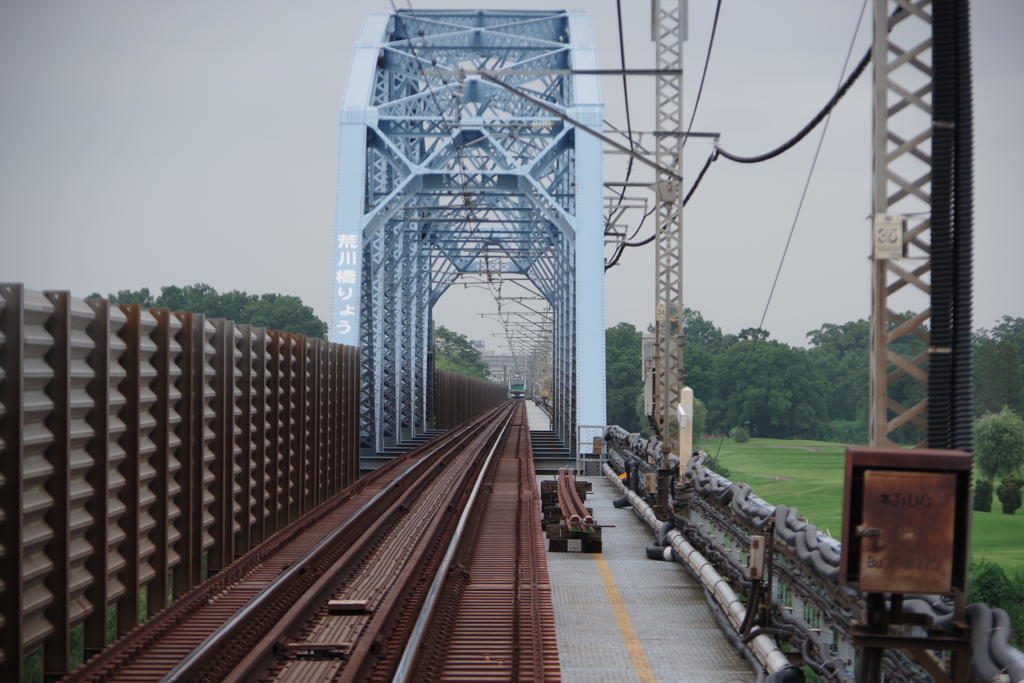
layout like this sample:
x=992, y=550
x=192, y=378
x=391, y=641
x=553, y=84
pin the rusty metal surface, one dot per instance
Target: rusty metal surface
x=577, y=516
x=156, y=646
x=458, y=398
x=135, y=442
x=504, y=625
x=384, y=570
x=907, y=532
x=889, y=532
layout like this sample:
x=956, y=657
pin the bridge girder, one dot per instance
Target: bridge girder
x=443, y=174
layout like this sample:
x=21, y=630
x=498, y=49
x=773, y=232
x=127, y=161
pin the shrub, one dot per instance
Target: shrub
x=988, y=583
x=741, y=435
x=983, y=496
x=1016, y=479
x=848, y=431
x=1010, y=497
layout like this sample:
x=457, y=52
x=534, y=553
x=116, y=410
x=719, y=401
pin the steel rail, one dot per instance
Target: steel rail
x=403, y=672
x=155, y=646
x=369, y=650
x=577, y=518
x=186, y=668
x=119, y=656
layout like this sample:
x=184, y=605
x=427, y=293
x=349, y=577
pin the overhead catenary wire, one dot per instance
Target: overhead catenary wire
x=629, y=124
x=826, y=110
x=707, y=60
x=814, y=162
x=618, y=252
x=789, y=144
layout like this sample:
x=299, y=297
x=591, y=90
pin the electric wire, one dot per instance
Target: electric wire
x=614, y=260
x=707, y=60
x=618, y=252
x=845, y=88
x=810, y=173
x=825, y=112
x=625, y=87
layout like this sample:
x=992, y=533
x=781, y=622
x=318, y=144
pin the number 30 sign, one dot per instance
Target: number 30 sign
x=889, y=229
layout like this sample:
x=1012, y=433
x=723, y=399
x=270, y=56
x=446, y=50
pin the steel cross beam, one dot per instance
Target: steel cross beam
x=667, y=25
x=902, y=175
x=444, y=175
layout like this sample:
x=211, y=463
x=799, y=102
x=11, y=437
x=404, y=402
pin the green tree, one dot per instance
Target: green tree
x=1009, y=331
x=202, y=298
x=772, y=387
x=700, y=419
x=623, y=377
x=997, y=380
x=455, y=353
x=127, y=296
x=998, y=443
x=699, y=373
x=987, y=582
x=702, y=333
x=983, y=495
x=272, y=311
x=1009, y=496
x=284, y=313
x=841, y=353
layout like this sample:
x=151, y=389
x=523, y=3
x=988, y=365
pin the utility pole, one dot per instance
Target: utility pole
x=668, y=30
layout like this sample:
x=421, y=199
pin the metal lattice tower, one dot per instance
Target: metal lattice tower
x=443, y=174
x=901, y=187
x=668, y=29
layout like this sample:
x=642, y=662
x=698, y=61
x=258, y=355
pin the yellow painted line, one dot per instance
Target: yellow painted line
x=641, y=666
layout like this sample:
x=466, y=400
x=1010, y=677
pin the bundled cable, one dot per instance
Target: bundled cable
x=810, y=126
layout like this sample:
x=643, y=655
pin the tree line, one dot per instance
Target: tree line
x=272, y=311
x=773, y=390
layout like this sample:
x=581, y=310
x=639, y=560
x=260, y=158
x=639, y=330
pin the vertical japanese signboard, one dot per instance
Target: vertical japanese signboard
x=345, y=302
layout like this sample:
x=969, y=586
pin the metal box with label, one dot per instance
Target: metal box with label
x=906, y=518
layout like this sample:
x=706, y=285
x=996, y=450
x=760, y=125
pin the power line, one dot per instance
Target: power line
x=807, y=184
x=814, y=122
x=618, y=252
x=707, y=60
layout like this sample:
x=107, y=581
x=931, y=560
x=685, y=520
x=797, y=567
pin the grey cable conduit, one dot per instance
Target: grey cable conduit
x=763, y=646
x=989, y=638
x=403, y=672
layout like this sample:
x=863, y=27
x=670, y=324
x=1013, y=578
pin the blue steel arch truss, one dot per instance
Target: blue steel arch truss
x=442, y=174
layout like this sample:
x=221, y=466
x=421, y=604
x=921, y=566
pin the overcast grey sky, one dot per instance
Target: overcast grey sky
x=155, y=143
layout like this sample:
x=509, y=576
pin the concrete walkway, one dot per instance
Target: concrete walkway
x=539, y=420
x=620, y=617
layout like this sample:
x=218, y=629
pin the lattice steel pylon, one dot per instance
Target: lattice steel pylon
x=667, y=25
x=901, y=187
x=922, y=197
x=442, y=174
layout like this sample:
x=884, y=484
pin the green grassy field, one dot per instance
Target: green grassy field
x=808, y=475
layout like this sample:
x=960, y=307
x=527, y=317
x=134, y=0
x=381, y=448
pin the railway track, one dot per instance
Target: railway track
x=338, y=595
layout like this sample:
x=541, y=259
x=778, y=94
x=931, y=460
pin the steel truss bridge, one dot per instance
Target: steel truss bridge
x=444, y=175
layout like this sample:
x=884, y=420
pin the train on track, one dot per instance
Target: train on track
x=516, y=386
